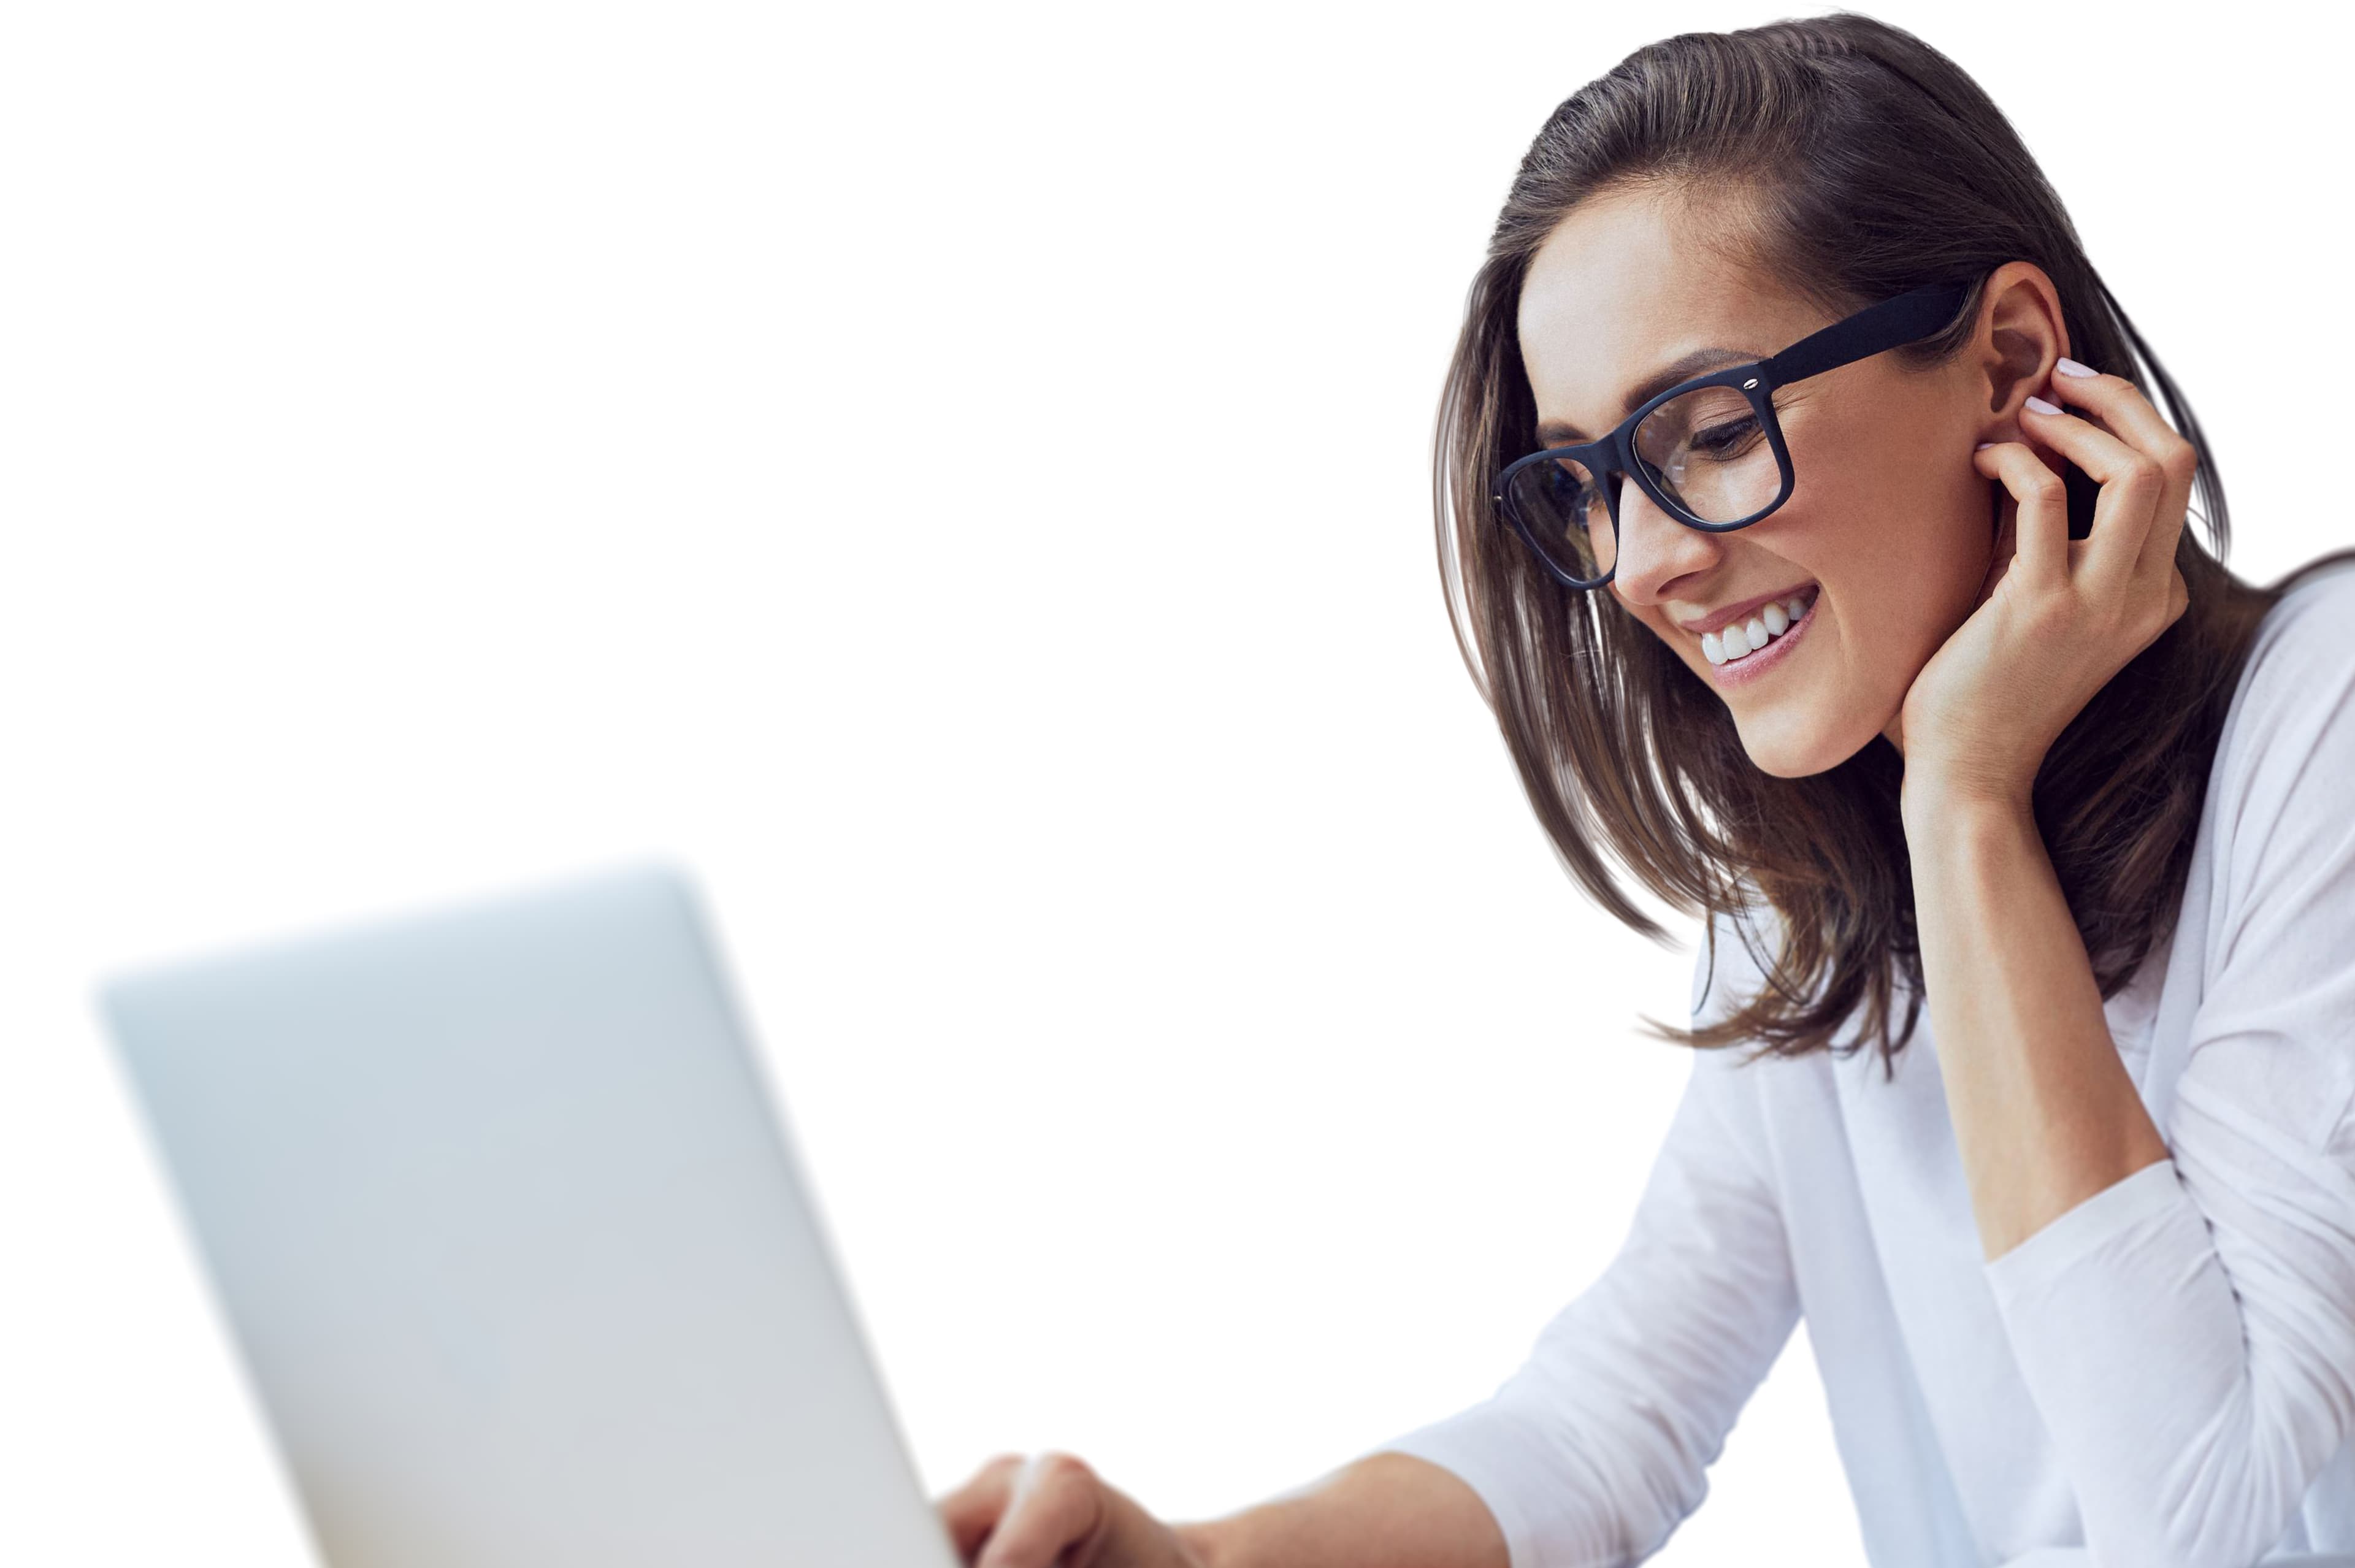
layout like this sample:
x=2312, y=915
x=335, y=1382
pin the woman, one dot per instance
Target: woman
x=1807, y=526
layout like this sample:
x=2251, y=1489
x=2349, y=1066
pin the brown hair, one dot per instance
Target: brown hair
x=1868, y=163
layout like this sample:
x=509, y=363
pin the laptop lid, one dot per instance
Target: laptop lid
x=513, y=1247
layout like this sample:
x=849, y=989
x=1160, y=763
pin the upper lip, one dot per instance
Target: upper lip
x=1733, y=612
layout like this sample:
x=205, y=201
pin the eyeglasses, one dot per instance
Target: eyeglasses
x=1709, y=451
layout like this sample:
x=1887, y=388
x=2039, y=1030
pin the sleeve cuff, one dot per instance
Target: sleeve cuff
x=1463, y=1455
x=2035, y=1264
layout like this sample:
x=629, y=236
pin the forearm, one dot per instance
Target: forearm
x=2044, y=1112
x=1386, y=1510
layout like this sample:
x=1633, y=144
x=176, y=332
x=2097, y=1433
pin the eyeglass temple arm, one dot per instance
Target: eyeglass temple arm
x=1907, y=318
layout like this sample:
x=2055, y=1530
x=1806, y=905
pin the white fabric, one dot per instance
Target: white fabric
x=2162, y=1377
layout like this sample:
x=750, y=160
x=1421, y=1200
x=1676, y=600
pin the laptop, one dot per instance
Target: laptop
x=500, y=1212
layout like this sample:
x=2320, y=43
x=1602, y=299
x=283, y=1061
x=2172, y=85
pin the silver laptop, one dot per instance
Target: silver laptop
x=498, y=1210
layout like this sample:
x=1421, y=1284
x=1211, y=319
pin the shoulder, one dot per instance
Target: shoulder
x=2300, y=672
x=1723, y=983
x=1729, y=977
x=2288, y=745
x=2275, y=988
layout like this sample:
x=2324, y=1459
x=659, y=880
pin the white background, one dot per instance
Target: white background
x=956, y=476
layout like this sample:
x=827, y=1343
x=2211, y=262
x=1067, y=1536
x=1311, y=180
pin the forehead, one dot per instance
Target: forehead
x=1626, y=285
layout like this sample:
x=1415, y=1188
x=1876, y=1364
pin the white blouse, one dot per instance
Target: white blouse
x=2162, y=1377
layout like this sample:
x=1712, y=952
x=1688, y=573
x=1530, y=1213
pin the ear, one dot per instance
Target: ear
x=2020, y=335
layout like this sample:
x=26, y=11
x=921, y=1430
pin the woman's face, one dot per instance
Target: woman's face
x=1887, y=531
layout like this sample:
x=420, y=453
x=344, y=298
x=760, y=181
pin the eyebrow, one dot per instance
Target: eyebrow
x=1559, y=432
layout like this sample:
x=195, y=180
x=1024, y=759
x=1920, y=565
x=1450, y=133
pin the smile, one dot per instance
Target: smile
x=1749, y=649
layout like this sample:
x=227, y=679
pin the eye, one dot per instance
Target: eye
x=1573, y=492
x=1727, y=438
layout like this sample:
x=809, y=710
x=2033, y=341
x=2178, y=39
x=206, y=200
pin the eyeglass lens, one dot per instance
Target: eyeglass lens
x=1706, y=450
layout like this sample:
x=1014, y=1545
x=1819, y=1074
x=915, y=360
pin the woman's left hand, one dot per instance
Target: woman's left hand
x=2057, y=617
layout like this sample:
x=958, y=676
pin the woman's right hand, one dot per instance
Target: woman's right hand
x=1050, y=1511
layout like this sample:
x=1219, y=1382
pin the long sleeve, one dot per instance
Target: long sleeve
x=1594, y=1451
x=2188, y=1334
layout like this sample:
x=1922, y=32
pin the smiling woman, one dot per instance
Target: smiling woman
x=1825, y=660
x=1807, y=526
x=1725, y=196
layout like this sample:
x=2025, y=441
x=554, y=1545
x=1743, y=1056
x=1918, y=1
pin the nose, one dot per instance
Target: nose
x=1654, y=549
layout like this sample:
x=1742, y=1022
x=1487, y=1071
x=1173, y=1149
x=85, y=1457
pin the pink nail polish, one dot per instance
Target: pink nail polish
x=2041, y=407
x=2070, y=367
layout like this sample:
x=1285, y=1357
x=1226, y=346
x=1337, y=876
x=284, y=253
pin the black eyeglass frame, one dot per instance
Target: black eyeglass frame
x=1907, y=318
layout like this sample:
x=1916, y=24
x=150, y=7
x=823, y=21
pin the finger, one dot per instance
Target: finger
x=2123, y=407
x=2131, y=484
x=2040, y=545
x=973, y=1511
x=1057, y=1503
x=2000, y=559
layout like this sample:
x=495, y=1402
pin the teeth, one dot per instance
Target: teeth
x=1740, y=641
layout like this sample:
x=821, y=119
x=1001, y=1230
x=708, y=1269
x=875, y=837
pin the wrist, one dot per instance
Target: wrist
x=1208, y=1544
x=1945, y=828
x=1954, y=831
x=1936, y=798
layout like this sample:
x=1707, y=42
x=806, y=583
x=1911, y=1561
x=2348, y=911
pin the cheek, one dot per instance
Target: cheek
x=1910, y=536
x=1950, y=535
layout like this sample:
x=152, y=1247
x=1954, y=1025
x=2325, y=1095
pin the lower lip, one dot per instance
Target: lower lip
x=1742, y=671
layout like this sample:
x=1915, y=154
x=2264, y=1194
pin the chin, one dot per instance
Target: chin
x=1796, y=752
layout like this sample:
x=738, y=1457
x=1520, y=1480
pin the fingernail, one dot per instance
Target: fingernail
x=2070, y=367
x=1983, y=446
x=2041, y=407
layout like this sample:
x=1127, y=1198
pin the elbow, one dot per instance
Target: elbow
x=2225, y=1528
x=2218, y=1490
